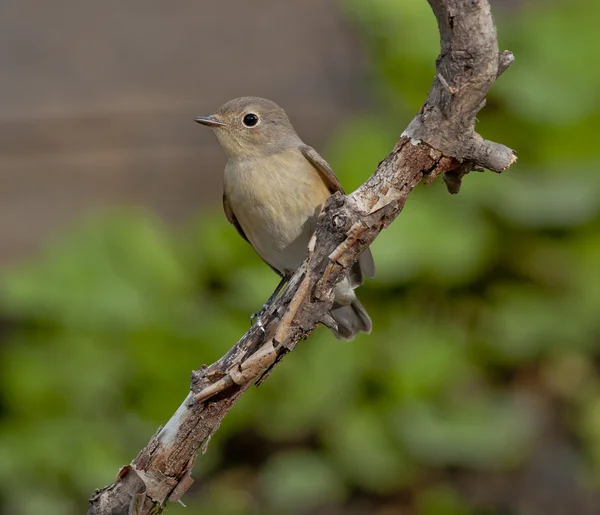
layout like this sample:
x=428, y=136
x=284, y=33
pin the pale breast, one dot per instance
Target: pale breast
x=276, y=200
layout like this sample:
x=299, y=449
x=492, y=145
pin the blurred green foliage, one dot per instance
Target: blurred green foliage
x=484, y=354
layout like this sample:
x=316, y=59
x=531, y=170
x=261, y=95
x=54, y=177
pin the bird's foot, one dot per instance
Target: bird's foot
x=255, y=318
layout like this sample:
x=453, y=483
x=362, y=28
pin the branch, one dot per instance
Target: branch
x=440, y=140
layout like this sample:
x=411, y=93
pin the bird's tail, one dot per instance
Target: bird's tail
x=351, y=319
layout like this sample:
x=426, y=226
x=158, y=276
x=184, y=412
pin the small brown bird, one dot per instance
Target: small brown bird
x=274, y=187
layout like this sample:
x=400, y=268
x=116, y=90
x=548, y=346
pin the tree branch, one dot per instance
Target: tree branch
x=440, y=140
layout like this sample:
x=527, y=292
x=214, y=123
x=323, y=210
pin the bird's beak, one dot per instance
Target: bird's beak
x=209, y=121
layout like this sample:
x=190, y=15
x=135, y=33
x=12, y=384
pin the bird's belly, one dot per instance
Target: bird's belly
x=279, y=218
x=280, y=231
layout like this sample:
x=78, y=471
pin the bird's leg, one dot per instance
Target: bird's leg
x=256, y=316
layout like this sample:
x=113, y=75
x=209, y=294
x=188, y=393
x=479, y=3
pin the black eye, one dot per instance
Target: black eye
x=250, y=120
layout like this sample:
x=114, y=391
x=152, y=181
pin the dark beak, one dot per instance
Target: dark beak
x=209, y=121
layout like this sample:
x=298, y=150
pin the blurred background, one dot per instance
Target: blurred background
x=478, y=391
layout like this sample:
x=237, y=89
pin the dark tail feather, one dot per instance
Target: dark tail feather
x=350, y=320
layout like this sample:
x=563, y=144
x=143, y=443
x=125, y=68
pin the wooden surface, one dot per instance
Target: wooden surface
x=98, y=100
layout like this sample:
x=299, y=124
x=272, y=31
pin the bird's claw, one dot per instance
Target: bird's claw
x=255, y=318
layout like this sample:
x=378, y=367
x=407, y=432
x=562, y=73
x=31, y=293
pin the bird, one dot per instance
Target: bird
x=274, y=186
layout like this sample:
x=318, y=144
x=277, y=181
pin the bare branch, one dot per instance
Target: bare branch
x=440, y=140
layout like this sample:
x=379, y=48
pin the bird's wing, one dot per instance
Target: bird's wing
x=365, y=264
x=234, y=221
x=327, y=174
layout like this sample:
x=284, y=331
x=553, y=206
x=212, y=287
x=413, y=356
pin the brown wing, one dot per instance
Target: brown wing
x=234, y=221
x=327, y=174
x=365, y=264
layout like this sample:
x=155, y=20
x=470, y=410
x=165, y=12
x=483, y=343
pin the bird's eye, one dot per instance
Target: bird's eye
x=250, y=120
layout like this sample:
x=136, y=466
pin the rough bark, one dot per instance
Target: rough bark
x=440, y=140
